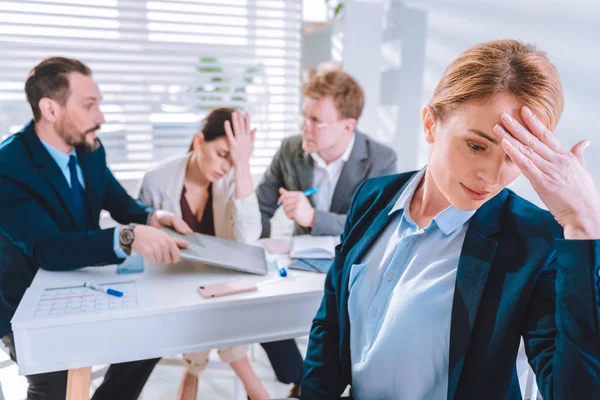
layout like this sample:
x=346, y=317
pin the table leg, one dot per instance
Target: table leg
x=78, y=383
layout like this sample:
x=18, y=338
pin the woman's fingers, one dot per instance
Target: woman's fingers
x=578, y=150
x=541, y=131
x=523, y=162
x=523, y=149
x=229, y=132
x=526, y=138
x=237, y=128
x=247, y=123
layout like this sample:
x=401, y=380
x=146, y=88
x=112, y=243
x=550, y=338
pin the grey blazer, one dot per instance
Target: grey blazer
x=292, y=169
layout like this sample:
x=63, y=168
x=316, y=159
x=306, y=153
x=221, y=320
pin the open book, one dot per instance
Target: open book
x=307, y=246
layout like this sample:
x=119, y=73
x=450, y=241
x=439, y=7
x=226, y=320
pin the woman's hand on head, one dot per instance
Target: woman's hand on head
x=240, y=138
x=558, y=175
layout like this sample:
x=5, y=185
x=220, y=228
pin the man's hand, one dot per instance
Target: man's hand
x=297, y=207
x=558, y=175
x=156, y=246
x=166, y=219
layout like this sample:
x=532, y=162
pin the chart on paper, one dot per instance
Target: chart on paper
x=79, y=300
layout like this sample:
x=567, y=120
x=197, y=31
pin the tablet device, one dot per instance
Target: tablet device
x=205, y=249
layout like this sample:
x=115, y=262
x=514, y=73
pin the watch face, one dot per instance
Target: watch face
x=127, y=237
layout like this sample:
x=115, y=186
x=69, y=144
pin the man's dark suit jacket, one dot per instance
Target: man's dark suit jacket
x=36, y=228
x=292, y=169
x=515, y=278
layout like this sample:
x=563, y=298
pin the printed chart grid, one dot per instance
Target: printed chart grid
x=79, y=300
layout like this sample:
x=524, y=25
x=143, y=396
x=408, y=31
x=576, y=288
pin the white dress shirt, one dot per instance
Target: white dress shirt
x=400, y=305
x=326, y=177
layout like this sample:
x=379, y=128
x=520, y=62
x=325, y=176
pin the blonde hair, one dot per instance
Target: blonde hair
x=347, y=94
x=497, y=67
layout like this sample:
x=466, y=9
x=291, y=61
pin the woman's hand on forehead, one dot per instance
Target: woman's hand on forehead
x=558, y=175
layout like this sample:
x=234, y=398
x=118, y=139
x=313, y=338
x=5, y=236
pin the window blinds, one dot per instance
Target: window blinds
x=161, y=67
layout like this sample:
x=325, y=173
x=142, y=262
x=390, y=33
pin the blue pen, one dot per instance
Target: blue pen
x=282, y=269
x=97, y=288
x=307, y=192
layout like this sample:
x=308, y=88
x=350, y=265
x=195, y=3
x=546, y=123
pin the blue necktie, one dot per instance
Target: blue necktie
x=79, y=212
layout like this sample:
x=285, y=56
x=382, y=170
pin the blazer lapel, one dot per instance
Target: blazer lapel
x=170, y=194
x=354, y=171
x=367, y=239
x=50, y=170
x=304, y=172
x=474, y=266
x=363, y=236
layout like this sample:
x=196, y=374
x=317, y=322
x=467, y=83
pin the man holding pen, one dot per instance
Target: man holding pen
x=329, y=154
x=314, y=175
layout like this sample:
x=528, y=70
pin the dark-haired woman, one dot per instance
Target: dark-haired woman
x=211, y=189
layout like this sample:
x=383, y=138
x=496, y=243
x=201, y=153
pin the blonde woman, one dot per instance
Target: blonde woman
x=211, y=189
x=441, y=271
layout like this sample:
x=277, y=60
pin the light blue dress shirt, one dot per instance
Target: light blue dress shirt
x=62, y=160
x=400, y=305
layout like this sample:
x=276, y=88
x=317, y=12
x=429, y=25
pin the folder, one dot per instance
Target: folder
x=321, y=265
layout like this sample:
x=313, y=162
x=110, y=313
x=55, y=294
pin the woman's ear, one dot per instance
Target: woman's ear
x=428, y=124
x=198, y=141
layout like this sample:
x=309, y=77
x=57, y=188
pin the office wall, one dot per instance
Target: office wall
x=568, y=31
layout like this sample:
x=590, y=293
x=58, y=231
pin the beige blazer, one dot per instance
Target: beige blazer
x=235, y=219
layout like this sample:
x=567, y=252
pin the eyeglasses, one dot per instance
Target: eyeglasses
x=302, y=121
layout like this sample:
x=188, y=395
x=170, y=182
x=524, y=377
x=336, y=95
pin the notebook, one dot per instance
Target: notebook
x=307, y=246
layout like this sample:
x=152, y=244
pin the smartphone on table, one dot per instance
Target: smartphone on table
x=227, y=288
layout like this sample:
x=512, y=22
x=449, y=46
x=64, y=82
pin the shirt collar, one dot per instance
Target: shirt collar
x=62, y=159
x=322, y=164
x=448, y=220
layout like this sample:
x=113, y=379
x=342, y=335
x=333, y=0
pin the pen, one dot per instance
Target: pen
x=282, y=269
x=97, y=288
x=307, y=192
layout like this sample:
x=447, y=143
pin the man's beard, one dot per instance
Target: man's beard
x=67, y=130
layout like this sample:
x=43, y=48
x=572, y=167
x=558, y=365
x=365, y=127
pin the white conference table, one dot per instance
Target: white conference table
x=170, y=318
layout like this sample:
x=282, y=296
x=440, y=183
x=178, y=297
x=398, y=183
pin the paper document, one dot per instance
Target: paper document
x=307, y=246
x=80, y=300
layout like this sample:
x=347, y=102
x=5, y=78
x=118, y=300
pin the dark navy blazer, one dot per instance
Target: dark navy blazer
x=515, y=278
x=36, y=228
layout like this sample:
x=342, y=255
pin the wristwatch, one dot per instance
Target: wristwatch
x=126, y=238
